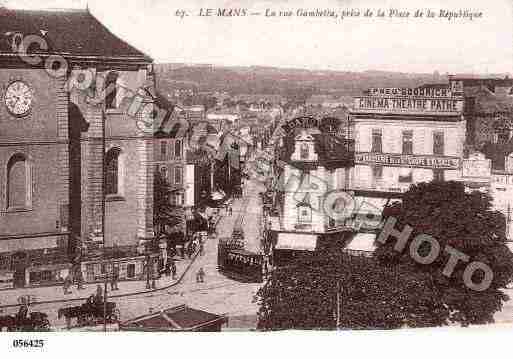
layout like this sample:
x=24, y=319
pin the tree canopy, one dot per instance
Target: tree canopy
x=370, y=296
x=391, y=289
x=461, y=220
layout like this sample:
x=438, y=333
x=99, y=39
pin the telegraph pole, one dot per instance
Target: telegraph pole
x=338, y=304
x=105, y=304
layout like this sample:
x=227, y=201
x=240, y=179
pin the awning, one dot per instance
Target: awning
x=372, y=205
x=218, y=195
x=297, y=241
x=49, y=267
x=363, y=242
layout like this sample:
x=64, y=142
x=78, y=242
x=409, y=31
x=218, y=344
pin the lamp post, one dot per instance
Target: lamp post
x=105, y=303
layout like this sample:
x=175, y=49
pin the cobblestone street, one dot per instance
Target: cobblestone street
x=218, y=294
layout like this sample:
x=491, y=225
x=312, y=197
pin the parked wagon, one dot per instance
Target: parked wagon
x=90, y=313
x=25, y=322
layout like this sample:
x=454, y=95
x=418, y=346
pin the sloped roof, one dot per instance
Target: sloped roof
x=198, y=156
x=67, y=32
x=249, y=98
x=319, y=99
x=488, y=102
x=172, y=129
x=180, y=318
x=332, y=150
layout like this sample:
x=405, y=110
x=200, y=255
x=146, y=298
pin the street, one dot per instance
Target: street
x=218, y=294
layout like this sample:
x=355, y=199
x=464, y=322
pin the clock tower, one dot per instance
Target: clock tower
x=75, y=157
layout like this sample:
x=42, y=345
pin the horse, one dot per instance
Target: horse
x=71, y=312
x=8, y=322
x=94, y=311
x=39, y=321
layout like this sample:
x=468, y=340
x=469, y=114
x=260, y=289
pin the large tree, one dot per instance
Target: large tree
x=456, y=220
x=392, y=289
x=335, y=290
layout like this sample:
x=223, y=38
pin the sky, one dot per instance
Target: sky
x=482, y=45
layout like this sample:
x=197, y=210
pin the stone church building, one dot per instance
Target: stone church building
x=75, y=129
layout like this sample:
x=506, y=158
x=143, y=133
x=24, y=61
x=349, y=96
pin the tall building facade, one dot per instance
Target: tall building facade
x=403, y=136
x=402, y=140
x=76, y=155
x=313, y=158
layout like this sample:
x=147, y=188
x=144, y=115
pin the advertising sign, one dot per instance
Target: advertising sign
x=477, y=168
x=432, y=100
x=380, y=104
x=400, y=160
x=410, y=92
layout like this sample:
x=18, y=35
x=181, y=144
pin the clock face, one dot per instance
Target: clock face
x=18, y=98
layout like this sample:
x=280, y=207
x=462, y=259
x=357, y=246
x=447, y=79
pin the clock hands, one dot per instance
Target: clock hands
x=18, y=98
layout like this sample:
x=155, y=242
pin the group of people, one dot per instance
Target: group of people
x=167, y=267
x=75, y=276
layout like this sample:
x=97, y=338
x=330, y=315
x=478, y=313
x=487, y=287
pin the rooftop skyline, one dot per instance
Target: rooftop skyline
x=352, y=44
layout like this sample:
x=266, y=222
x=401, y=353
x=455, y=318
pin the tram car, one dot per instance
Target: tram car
x=241, y=265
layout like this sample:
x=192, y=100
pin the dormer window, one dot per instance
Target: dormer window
x=304, y=214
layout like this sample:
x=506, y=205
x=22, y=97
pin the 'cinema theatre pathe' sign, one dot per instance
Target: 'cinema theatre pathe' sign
x=400, y=160
x=408, y=100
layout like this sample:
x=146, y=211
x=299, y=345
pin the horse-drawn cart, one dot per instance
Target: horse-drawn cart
x=24, y=322
x=90, y=313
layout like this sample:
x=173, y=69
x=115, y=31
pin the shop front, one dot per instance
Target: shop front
x=49, y=274
x=33, y=267
x=131, y=268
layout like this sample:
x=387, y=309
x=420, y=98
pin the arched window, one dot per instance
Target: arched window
x=111, y=90
x=112, y=172
x=304, y=151
x=18, y=182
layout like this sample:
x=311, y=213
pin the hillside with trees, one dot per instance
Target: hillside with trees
x=281, y=81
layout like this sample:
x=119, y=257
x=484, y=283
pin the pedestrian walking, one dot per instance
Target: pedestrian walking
x=98, y=298
x=67, y=284
x=200, y=275
x=173, y=269
x=115, y=278
x=147, y=270
x=188, y=249
x=230, y=210
x=167, y=268
x=79, y=278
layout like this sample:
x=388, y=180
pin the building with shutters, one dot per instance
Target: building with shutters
x=314, y=156
x=76, y=152
x=402, y=139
